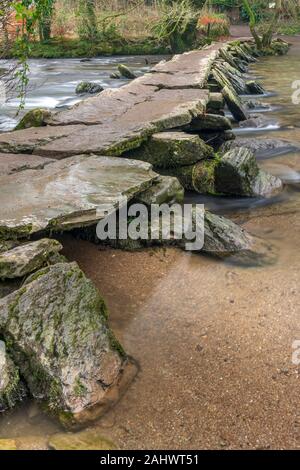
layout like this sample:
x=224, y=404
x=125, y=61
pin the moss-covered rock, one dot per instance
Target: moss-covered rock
x=7, y=245
x=125, y=72
x=12, y=390
x=57, y=331
x=26, y=258
x=226, y=54
x=85, y=440
x=204, y=176
x=34, y=118
x=238, y=174
x=199, y=177
x=254, y=88
x=224, y=76
x=234, y=104
x=88, y=87
x=210, y=122
x=8, y=444
x=216, y=102
x=172, y=150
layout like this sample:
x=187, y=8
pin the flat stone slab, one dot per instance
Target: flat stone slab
x=165, y=110
x=109, y=105
x=188, y=70
x=25, y=141
x=172, y=149
x=184, y=71
x=28, y=257
x=13, y=163
x=70, y=193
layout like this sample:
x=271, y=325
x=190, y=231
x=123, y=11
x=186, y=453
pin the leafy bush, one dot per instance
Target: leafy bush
x=177, y=25
x=213, y=25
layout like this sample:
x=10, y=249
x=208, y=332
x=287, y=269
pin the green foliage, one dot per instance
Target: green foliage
x=177, y=26
x=213, y=25
x=87, y=21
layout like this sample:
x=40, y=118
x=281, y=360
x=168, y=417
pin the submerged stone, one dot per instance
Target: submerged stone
x=85, y=440
x=12, y=390
x=172, y=149
x=88, y=87
x=8, y=444
x=262, y=146
x=61, y=342
x=26, y=258
x=34, y=118
x=257, y=121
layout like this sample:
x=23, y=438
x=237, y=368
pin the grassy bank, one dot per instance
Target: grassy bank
x=72, y=48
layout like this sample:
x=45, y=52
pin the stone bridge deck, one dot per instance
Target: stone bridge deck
x=62, y=194
x=116, y=120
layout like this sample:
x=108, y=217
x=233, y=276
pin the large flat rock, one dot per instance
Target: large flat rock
x=165, y=110
x=12, y=163
x=188, y=70
x=25, y=141
x=105, y=107
x=183, y=71
x=70, y=193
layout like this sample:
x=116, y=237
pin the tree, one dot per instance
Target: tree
x=45, y=12
x=263, y=41
x=87, y=10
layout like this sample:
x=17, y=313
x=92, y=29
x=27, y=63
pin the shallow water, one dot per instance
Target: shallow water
x=53, y=81
x=214, y=342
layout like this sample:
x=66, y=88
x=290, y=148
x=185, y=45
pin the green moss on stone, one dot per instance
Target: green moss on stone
x=34, y=118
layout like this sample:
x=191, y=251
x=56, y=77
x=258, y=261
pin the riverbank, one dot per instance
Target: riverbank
x=78, y=48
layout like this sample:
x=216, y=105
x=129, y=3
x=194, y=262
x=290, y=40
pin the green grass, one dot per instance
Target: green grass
x=289, y=28
x=72, y=48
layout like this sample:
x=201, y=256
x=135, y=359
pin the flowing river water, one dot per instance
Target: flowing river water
x=213, y=341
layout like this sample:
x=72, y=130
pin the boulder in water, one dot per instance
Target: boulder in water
x=238, y=174
x=60, y=340
x=84, y=440
x=88, y=87
x=125, y=72
x=254, y=88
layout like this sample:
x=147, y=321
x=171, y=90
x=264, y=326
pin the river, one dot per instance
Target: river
x=52, y=82
x=213, y=340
